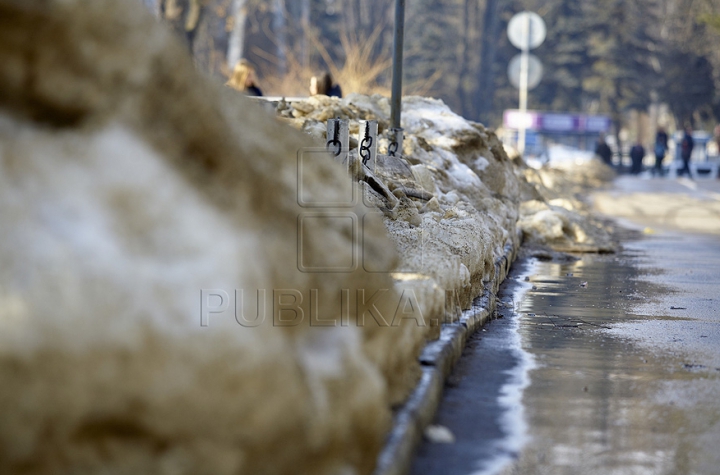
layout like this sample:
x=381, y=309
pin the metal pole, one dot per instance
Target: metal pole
x=396, y=99
x=524, y=66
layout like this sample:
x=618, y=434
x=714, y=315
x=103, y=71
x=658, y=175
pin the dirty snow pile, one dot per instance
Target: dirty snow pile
x=454, y=194
x=128, y=184
x=182, y=291
x=561, y=219
x=472, y=195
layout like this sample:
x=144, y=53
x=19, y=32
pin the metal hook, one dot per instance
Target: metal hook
x=335, y=142
x=366, y=144
x=392, y=148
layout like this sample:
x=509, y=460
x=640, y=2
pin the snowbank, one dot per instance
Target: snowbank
x=558, y=217
x=458, y=193
x=188, y=286
x=476, y=195
x=128, y=183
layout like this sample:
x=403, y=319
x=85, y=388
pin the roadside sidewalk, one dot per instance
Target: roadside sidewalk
x=679, y=204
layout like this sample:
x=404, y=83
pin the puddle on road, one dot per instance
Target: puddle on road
x=599, y=403
x=611, y=390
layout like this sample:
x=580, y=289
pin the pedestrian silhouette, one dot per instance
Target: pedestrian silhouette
x=603, y=151
x=324, y=85
x=686, y=148
x=637, y=153
x=660, y=149
x=244, y=80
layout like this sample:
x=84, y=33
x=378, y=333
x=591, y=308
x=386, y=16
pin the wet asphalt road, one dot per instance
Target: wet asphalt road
x=620, y=355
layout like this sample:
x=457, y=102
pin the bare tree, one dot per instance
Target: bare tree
x=210, y=37
x=468, y=68
x=279, y=27
x=486, y=87
x=236, y=43
x=304, y=29
x=153, y=6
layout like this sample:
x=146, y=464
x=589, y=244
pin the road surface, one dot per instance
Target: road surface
x=609, y=364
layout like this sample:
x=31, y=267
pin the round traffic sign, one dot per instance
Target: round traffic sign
x=526, y=30
x=535, y=70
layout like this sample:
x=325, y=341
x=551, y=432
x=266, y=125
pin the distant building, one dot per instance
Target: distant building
x=546, y=128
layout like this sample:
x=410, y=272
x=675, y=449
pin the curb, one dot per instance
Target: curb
x=437, y=361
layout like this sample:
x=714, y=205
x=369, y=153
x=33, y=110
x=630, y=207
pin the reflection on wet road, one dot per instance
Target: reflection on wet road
x=626, y=349
x=604, y=399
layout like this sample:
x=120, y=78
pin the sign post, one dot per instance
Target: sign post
x=526, y=30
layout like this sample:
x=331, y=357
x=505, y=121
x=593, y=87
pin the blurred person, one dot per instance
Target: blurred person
x=602, y=150
x=661, y=147
x=686, y=148
x=244, y=80
x=637, y=153
x=315, y=87
x=324, y=85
